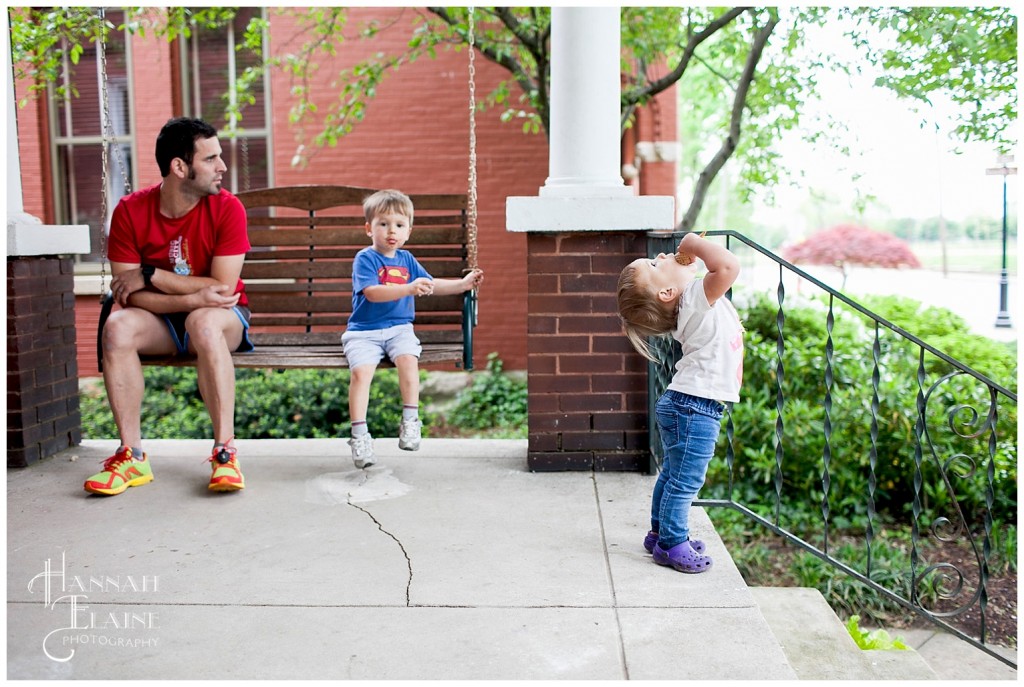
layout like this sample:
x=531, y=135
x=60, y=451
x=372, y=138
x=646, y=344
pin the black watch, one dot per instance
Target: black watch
x=147, y=274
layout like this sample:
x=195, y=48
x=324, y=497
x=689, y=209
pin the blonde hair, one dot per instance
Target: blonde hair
x=642, y=314
x=388, y=200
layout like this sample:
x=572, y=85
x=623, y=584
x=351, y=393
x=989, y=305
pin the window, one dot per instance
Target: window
x=77, y=140
x=212, y=64
x=210, y=68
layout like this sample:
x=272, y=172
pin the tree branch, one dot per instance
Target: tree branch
x=693, y=42
x=528, y=39
x=545, y=35
x=627, y=113
x=730, y=142
x=504, y=60
x=536, y=45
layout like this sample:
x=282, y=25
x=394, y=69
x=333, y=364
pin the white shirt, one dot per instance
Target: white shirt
x=712, y=345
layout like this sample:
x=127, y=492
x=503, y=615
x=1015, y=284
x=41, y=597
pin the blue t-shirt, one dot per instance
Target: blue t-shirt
x=370, y=268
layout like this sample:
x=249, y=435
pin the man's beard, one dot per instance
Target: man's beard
x=212, y=190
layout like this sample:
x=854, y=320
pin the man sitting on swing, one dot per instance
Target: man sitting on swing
x=176, y=251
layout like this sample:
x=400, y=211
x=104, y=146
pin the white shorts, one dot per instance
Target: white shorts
x=369, y=347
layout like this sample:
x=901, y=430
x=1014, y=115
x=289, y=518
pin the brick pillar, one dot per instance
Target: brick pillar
x=43, y=416
x=587, y=387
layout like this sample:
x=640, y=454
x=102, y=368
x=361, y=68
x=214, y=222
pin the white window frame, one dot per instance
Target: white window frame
x=230, y=133
x=65, y=208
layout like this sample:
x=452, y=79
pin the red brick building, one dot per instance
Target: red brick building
x=414, y=137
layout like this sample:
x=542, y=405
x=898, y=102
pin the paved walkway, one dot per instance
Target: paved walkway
x=451, y=563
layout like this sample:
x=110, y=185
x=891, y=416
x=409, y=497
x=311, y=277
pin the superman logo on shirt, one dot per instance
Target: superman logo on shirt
x=393, y=275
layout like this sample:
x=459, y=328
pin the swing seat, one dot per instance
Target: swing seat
x=298, y=277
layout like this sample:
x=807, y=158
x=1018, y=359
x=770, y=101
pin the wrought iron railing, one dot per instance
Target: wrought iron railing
x=975, y=415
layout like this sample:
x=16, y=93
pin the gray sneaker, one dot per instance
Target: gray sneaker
x=409, y=435
x=362, y=451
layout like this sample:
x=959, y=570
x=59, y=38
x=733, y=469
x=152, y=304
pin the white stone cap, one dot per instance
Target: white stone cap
x=562, y=214
x=26, y=235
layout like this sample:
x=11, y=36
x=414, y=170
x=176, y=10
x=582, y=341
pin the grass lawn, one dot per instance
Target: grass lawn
x=967, y=256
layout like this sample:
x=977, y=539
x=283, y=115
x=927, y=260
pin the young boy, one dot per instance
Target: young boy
x=385, y=281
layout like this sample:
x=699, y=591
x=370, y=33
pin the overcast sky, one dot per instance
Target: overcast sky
x=913, y=171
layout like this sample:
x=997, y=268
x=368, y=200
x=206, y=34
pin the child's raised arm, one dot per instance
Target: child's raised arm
x=448, y=287
x=723, y=267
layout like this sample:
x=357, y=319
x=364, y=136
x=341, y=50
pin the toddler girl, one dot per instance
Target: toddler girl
x=659, y=297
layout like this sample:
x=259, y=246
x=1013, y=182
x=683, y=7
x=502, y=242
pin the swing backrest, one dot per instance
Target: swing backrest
x=298, y=274
x=298, y=277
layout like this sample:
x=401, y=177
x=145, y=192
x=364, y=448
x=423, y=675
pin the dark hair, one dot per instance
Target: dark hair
x=178, y=139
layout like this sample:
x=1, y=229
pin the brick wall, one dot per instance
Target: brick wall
x=43, y=416
x=33, y=152
x=587, y=387
x=153, y=102
x=414, y=137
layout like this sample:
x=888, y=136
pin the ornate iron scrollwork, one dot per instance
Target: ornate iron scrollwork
x=946, y=578
x=949, y=580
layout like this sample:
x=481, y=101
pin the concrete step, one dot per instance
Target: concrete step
x=818, y=646
x=703, y=627
x=954, y=659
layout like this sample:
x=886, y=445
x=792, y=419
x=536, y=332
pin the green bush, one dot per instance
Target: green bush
x=493, y=400
x=949, y=333
x=273, y=404
x=269, y=404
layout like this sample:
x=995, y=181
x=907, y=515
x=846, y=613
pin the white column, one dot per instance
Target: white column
x=584, y=190
x=584, y=156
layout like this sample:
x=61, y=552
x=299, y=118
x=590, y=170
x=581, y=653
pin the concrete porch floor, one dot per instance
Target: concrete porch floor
x=454, y=562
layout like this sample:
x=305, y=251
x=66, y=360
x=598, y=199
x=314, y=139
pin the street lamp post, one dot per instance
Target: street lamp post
x=1003, y=318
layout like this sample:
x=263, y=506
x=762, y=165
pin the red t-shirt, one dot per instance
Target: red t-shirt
x=216, y=226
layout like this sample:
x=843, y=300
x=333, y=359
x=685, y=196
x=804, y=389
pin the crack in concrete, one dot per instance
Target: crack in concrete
x=623, y=662
x=408, y=561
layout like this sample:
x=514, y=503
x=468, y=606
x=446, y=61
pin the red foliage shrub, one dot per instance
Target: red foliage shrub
x=848, y=244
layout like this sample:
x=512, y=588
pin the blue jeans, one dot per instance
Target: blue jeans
x=689, y=427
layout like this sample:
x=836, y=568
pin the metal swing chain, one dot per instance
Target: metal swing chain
x=471, y=210
x=245, y=164
x=108, y=138
x=101, y=53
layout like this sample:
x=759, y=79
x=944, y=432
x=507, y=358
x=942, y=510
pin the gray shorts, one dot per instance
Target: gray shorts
x=369, y=347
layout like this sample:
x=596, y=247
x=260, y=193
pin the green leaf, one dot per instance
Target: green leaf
x=876, y=640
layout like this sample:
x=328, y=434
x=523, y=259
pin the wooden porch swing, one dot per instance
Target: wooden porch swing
x=298, y=273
